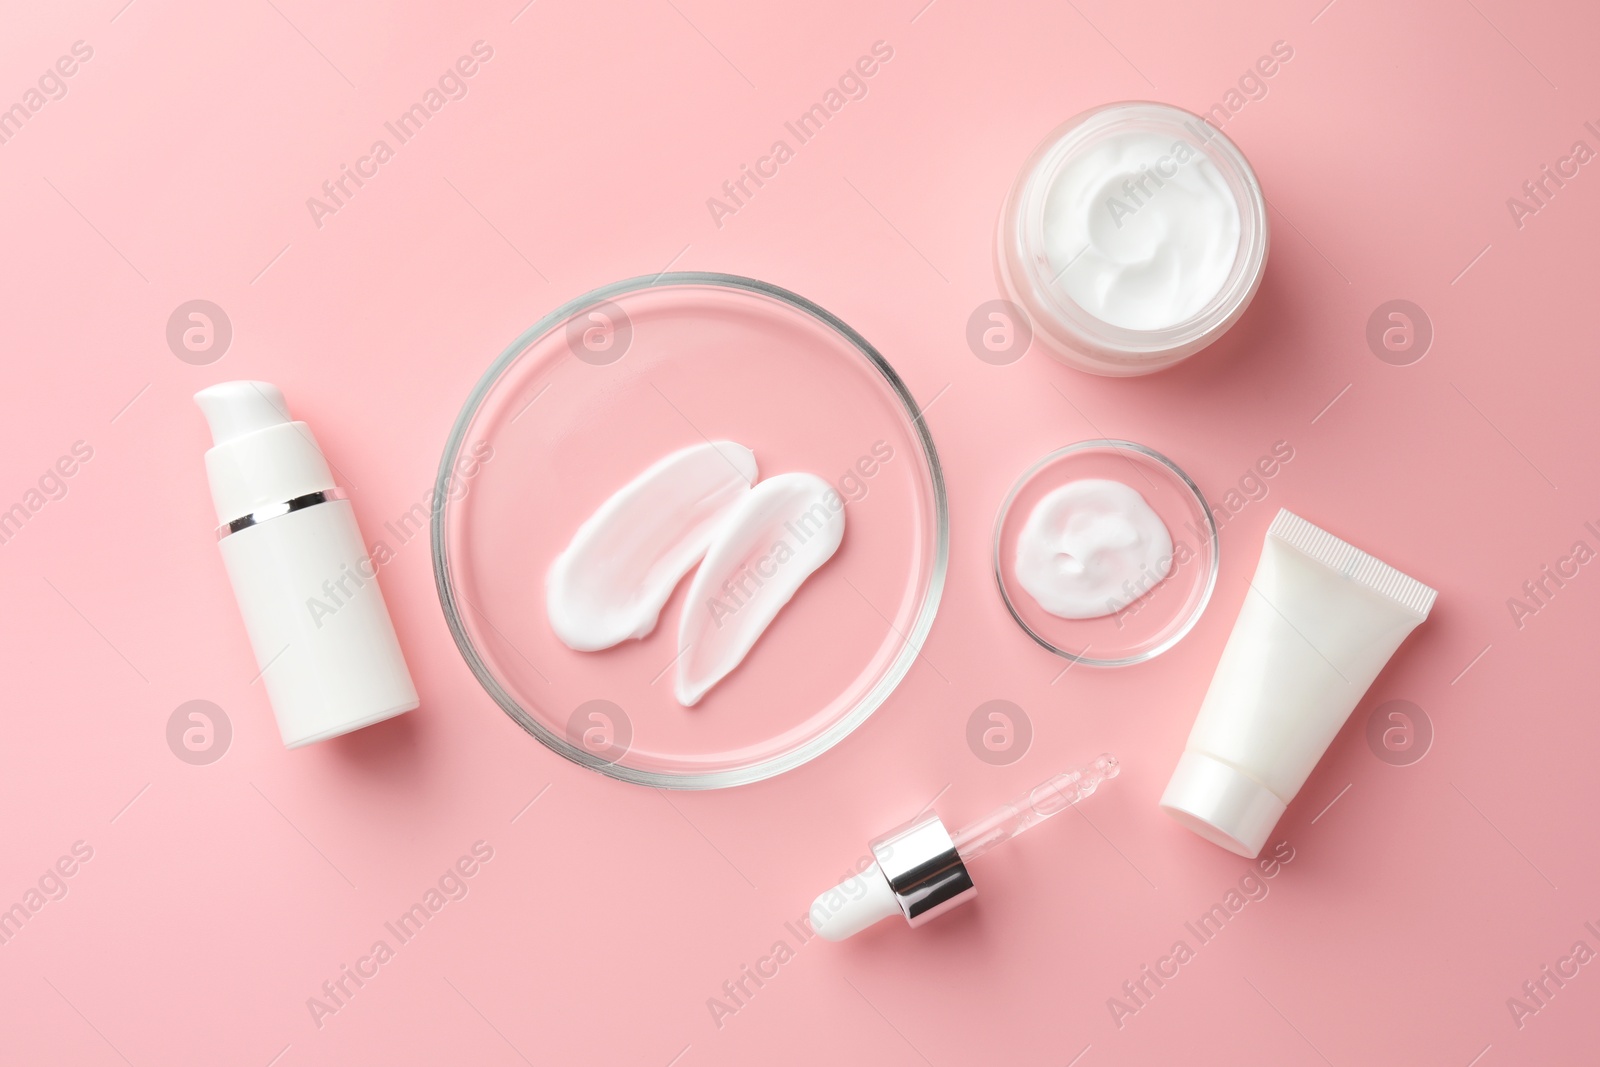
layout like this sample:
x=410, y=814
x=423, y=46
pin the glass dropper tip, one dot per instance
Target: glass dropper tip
x=1042, y=801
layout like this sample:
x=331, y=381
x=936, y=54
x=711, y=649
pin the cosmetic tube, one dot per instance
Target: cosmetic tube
x=1319, y=621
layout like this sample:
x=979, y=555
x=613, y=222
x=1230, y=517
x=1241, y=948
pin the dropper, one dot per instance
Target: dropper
x=919, y=870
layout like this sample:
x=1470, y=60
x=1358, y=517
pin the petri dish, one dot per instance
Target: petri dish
x=1162, y=609
x=592, y=395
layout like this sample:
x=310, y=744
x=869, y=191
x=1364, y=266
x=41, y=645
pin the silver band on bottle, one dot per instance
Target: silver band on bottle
x=283, y=507
x=924, y=870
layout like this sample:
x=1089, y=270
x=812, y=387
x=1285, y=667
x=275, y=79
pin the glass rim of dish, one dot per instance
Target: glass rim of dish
x=1213, y=541
x=911, y=642
x=1099, y=345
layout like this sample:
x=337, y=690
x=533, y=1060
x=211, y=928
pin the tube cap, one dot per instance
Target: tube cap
x=1222, y=804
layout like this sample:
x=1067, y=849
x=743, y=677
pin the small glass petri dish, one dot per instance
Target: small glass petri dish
x=1119, y=238
x=593, y=394
x=1161, y=609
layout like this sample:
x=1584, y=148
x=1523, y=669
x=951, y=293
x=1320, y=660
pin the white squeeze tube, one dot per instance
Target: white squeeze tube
x=1319, y=621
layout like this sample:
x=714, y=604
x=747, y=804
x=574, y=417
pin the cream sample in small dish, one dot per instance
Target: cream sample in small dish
x=1135, y=235
x=1105, y=553
x=1090, y=548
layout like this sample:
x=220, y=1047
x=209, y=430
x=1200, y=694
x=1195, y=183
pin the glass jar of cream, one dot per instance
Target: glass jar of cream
x=1134, y=236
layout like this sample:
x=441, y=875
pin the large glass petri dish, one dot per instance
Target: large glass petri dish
x=592, y=395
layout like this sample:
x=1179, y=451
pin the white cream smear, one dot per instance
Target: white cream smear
x=758, y=546
x=1141, y=230
x=773, y=540
x=612, y=581
x=1090, y=548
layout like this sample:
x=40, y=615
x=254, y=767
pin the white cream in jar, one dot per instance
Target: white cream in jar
x=1134, y=236
x=1140, y=230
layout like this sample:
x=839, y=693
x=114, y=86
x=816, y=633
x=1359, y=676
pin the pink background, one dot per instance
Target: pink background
x=219, y=898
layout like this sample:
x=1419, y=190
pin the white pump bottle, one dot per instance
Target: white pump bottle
x=308, y=591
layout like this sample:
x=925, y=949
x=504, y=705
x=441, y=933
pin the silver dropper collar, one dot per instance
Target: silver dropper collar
x=923, y=869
